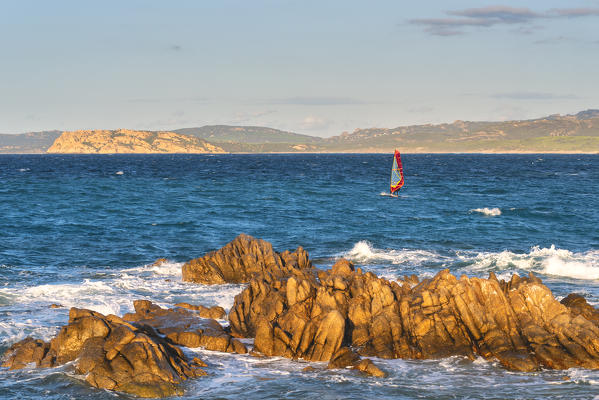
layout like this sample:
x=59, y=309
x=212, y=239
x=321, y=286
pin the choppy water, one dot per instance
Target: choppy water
x=81, y=230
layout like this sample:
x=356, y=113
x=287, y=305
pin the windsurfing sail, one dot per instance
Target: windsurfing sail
x=396, y=173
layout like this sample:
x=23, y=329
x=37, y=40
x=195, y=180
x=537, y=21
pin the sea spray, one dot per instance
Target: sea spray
x=489, y=212
x=549, y=261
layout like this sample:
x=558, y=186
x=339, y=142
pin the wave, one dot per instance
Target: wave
x=108, y=292
x=489, y=212
x=551, y=261
x=547, y=261
x=363, y=252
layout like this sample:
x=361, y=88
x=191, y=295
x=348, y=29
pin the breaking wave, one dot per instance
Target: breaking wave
x=489, y=212
x=363, y=252
x=551, y=261
x=547, y=261
x=109, y=292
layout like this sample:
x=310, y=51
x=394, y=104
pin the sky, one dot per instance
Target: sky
x=314, y=67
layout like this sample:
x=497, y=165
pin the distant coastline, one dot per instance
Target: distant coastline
x=554, y=134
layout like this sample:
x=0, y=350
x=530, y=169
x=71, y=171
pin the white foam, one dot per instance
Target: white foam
x=164, y=268
x=119, y=173
x=489, y=212
x=14, y=331
x=363, y=252
x=387, y=194
x=24, y=169
x=94, y=295
x=548, y=261
x=583, y=376
x=109, y=292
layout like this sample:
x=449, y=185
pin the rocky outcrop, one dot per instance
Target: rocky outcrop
x=130, y=141
x=243, y=258
x=184, y=327
x=579, y=306
x=312, y=315
x=112, y=353
x=215, y=312
x=345, y=357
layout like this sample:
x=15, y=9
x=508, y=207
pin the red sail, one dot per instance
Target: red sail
x=396, y=173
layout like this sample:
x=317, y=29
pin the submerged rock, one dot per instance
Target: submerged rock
x=112, y=353
x=241, y=259
x=345, y=357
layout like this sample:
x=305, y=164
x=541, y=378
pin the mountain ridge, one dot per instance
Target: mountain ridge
x=553, y=133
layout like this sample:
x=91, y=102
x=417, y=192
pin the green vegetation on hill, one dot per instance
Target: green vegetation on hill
x=555, y=133
x=247, y=134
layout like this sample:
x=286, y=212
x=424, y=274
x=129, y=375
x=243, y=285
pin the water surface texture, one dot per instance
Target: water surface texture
x=80, y=230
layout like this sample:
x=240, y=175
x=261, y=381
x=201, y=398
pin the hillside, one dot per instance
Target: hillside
x=247, y=134
x=555, y=133
x=577, y=133
x=129, y=141
x=27, y=143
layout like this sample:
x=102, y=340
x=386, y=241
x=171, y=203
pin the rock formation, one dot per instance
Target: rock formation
x=129, y=141
x=338, y=315
x=241, y=259
x=579, y=306
x=215, y=312
x=184, y=327
x=311, y=315
x=112, y=353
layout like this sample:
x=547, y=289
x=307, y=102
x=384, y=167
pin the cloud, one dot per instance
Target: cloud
x=497, y=14
x=175, y=47
x=316, y=101
x=312, y=122
x=421, y=109
x=574, y=12
x=243, y=117
x=475, y=17
x=552, y=40
x=448, y=26
x=486, y=17
x=533, y=96
x=169, y=100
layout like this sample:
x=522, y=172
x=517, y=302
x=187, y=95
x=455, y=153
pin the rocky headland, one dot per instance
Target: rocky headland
x=339, y=316
x=129, y=141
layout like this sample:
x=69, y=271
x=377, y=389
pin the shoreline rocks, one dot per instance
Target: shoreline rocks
x=184, y=327
x=519, y=323
x=241, y=259
x=339, y=315
x=112, y=353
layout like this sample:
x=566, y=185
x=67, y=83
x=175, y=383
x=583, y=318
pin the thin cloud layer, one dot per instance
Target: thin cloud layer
x=533, y=96
x=497, y=14
x=486, y=17
x=574, y=12
x=317, y=101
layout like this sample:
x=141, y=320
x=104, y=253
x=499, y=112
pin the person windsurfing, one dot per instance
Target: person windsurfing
x=397, y=180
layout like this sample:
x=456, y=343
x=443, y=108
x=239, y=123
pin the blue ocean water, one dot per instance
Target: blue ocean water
x=80, y=230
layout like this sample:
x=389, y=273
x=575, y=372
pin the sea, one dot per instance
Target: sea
x=83, y=231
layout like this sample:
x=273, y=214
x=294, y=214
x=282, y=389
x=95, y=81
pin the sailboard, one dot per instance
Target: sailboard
x=397, y=180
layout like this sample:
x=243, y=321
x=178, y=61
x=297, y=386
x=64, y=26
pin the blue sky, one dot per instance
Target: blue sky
x=315, y=67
